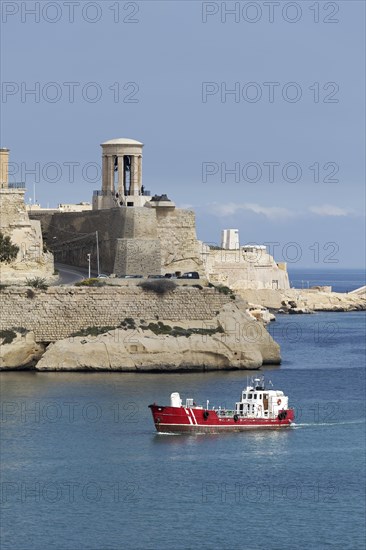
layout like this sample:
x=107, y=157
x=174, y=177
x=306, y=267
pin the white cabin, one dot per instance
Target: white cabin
x=257, y=401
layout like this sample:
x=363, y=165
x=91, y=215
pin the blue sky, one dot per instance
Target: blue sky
x=281, y=157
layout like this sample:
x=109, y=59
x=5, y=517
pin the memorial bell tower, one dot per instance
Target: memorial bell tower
x=121, y=175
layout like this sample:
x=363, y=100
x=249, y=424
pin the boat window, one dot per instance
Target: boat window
x=260, y=396
x=244, y=395
x=255, y=396
x=249, y=395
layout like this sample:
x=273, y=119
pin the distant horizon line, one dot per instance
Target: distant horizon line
x=333, y=268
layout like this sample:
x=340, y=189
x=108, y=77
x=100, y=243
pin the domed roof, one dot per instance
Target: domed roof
x=122, y=141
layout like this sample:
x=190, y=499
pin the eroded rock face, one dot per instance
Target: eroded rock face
x=240, y=342
x=305, y=300
x=260, y=313
x=22, y=352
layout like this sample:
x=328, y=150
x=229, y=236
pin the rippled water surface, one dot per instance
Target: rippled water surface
x=82, y=467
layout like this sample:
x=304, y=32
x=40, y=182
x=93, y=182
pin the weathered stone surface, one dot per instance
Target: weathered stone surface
x=61, y=311
x=260, y=313
x=306, y=300
x=241, y=269
x=22, y=352
x=244, y=344
x=31, y=260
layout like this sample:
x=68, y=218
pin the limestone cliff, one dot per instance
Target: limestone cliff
x=234, y=340
x=305, y=300
x=18, y=349
x=244, y=268
x=32, y=260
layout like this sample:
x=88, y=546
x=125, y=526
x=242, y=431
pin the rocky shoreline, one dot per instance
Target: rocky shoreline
x=235, y=338
x=298, y=301
x=232, y=340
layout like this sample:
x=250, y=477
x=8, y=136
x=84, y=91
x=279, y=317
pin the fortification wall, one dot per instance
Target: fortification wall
x=31, y=260
x=180, y=249
x=61, y=311
x=72, y=235
x=12, y=209
x=240, y=270
x=133, y=241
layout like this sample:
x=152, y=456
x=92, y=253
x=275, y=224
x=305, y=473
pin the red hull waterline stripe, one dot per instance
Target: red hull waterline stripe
x=232, y=427
x=185, y=419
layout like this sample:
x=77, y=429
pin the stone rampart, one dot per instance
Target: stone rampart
x=132, y=241
x=61, y=311
x=31, y=260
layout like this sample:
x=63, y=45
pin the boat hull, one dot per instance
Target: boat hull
x=196, y=420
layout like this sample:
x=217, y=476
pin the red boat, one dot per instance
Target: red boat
x=259, y=408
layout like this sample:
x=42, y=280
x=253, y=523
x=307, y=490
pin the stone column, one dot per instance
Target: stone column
x=140, y=173
x=134, y=175
x=111, y=174
x=4, y=168
x=105, y=173
x=121, y=171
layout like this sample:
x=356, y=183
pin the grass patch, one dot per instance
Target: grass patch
x=92, y=331
x=38, y=282
x=162, y=329
x=159, y=329
x=128, y=323
x=159, y=286
x=90, y=282
x=223, y=290
x=7, y=336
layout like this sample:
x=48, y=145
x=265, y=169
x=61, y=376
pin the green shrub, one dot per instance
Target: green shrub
x=92, y=331
x=224, y=289
x=8, y=250
x=37, y=282
x=160, y=286
x=128, y=323
x=7, y=336
x=90, y=282
x=161, y=329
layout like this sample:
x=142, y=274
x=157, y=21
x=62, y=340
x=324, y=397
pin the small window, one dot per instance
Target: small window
x=244, y=395
x=255, y=396
x=250, y=396
x=259, y=396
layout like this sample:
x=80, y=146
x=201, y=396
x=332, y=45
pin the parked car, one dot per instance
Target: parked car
x=103, y=276
x=190, y=275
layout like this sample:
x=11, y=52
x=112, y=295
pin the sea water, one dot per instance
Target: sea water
x=83, y=468
x=341, y=280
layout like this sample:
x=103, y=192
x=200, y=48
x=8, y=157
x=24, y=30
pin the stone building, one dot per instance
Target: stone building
x=31, y=260
x=140, y=234
x=121, y=175
x=137, y=234
x=244, y=267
